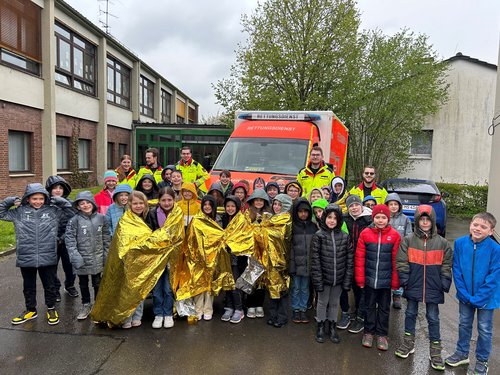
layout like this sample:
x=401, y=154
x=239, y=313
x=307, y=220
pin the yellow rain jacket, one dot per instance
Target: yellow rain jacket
x=136, y=260
x=189, y=207
x=207, y=266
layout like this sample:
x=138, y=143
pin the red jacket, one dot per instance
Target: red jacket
x=375, y=258
x=103, y=200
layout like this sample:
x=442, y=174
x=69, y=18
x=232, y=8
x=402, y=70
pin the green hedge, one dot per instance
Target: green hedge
x=464, y=200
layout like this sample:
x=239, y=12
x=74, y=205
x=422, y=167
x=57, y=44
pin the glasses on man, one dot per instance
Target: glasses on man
x=369, y=205
x=369, y=173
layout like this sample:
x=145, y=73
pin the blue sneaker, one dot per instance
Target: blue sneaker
x=456, y=359
x=481, y=368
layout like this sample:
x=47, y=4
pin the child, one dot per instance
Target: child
x=293, y=189
x=258, y=208
x=476, y=271
x=147, y=185
x=166, y=176
x=57, y=186
x=318, y=207
x=138, y=205
x=357, y=218
x=259, y=183
x=233, y=303
x=272, y=189
x=241, y=191
x=116, y=210
x=125, y=173
x=36, y=222
x=375, y=271
x=281, y=184
x=225, y=182
x=216, y=192
x=204, y=301
x=327, y=192
x=339, y=193
x=87, y=238
x=303, y=230
x=369, y=201
x=163, y=296
x=278, y=240
x=402, y=224
x=332, y=258
x=177, y=182
x=424, y=263
x=189, y=205
x=315, y=194
x=104, y=198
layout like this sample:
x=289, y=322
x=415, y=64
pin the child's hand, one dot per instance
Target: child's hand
x=17, y=202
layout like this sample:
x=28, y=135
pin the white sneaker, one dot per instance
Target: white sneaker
x=207, y=316
x=251, y=312
x=259, y=312
x=158, y=322
x=168, y=322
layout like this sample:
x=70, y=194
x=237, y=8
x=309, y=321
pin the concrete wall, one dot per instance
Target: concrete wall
x=494, y=181
x=461, y=145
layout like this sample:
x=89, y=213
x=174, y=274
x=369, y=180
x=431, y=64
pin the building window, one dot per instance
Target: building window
x=83, y=154
x=192, y=115
x=118, y=83
x=75, y=60
x=421, y=143
x=20, y=32
x=111, y=162
x=147, y=97
x=166, y=104
x=122, y=149
x=179, y=119
x=19, y=151
x=62, y=153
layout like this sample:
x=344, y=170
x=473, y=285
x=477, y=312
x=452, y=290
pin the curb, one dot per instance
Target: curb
x=7, y=252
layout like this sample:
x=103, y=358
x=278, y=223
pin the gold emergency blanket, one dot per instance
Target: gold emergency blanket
x=136, y=260
x=272, y=237
x=207, y=264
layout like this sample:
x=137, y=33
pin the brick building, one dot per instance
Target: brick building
x=69, y=94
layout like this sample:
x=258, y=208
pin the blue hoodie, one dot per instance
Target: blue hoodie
x=476, y=272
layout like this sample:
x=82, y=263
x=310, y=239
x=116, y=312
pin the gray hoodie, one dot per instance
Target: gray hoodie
x=399, y=221
x=88, y=238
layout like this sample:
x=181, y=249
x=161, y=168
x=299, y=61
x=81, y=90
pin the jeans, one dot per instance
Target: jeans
x=84, y=286
x=137, y=314
x=378, y=306
x=47, y=275
x=163, y=297
x=484, y=330
x=233, y=298
x=278, y=309
x=300, y=292
x=62, y=254
x=432, y=315
x=328, y=298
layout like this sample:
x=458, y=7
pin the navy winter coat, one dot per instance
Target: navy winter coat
x=302, y=233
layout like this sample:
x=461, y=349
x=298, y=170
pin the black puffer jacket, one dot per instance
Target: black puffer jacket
x=302, y=233
x=332, y=254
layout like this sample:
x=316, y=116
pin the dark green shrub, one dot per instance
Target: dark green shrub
x=464, y=200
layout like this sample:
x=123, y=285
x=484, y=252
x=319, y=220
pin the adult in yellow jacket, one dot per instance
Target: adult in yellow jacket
x=152, y=167
x=192, y=171
x=316, y=174
x=369, y=187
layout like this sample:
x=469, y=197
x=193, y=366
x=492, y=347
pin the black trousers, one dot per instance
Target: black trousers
x=278, y=309
x=233, y=298
x=256, y=299
x=47, y=276
x=84, y=286
x=62, y=254
x=359, y=301
x=378, y=304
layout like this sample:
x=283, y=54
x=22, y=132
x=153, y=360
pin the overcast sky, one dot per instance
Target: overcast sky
x=192, y=42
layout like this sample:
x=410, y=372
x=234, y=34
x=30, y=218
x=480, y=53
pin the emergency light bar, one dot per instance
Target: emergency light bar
x=280, y=116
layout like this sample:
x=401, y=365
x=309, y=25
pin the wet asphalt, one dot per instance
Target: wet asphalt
x=210, y=347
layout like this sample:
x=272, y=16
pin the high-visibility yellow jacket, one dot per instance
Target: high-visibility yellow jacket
x=308, y=180
x=379, y=193
x=146, y=170
x=192, y=171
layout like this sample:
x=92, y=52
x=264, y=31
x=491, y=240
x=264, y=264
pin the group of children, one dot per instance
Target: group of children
x=316, y=250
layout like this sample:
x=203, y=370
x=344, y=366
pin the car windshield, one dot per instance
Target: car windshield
x=265, y=155
x=411, y=186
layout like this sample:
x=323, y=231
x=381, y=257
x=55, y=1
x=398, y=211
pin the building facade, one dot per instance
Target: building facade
x=454, y=145
x=69, y=95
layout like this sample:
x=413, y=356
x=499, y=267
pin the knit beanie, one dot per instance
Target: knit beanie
x=351, y=199
x=381, y=209
x=110, y=176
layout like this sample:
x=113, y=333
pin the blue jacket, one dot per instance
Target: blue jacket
x=476, y=271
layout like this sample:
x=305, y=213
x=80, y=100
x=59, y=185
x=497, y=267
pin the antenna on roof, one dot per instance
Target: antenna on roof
x=105, y=12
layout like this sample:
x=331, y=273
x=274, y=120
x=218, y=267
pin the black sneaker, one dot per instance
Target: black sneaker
x=24, y=317
x=58, y=296
x=357, y=326
x=52, y=317
x=344, y=321
x=72, y=292
x=296, y=316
